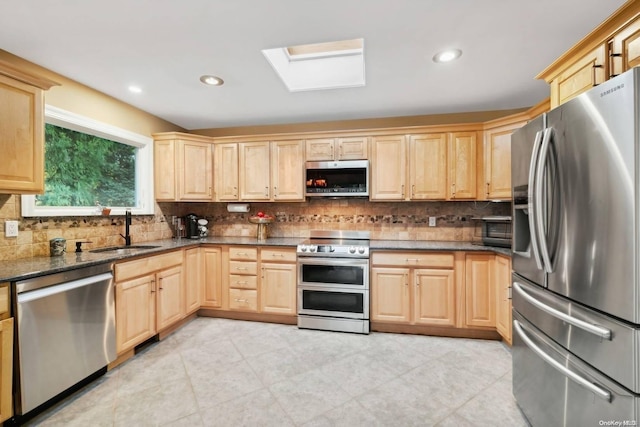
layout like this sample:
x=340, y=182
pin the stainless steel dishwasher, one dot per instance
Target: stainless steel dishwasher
x=65, y=331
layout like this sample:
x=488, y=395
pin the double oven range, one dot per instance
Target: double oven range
x=333, y=281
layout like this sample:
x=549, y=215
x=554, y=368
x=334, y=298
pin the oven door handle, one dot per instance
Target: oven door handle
x=352, y=262
x=592, y=387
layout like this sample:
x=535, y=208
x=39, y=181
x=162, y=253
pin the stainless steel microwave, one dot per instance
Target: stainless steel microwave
x=342, y=178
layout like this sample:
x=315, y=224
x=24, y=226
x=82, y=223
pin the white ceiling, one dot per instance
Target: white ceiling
x=164, y=46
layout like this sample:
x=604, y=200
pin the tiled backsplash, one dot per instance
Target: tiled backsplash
x=385, y=220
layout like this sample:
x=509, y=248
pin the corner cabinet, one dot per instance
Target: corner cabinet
x=183, y=168
x=480, y=305
x=502, y=281
x=462, y=165
x=6, y=353
x=497, y=162
x=22, y=131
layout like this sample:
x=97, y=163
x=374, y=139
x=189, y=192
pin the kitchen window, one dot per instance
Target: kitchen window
x=88, y=163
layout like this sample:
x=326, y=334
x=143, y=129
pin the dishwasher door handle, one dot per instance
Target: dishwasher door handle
x=63, y=287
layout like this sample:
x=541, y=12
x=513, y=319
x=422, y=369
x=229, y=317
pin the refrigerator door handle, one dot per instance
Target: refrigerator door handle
x=594, y=388
x=539, y=213
x=532, y=208
x=596, y=330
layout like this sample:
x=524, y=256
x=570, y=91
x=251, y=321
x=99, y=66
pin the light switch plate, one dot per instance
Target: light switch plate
x=11, y=228
x=432, y=221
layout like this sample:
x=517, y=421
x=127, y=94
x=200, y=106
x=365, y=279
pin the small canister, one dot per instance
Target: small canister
x=58, y=246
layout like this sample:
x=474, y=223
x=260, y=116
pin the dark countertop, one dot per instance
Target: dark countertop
x=27, y=268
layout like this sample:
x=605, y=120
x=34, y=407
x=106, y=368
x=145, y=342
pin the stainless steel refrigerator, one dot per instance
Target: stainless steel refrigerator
x=576, y=249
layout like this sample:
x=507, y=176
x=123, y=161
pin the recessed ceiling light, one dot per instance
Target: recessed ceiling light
x=211, y=80
x=447, y=55
x=135, y=89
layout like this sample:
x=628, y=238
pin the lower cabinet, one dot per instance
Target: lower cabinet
x=262, y=279
x=6, y=369
x=193, y=279
x=149, y=297
x=413, y=288
x=480, y=307
x=502, y=281
x=212, y=277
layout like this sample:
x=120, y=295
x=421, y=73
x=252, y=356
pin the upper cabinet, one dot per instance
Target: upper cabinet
x=462, y=165
x=388, y=168
x=496, y=184
x=323, y=149
x=226, y=172
x=611, y=48
x=22, y=131
x=271, y=171
x=428, y=166
x=183, y=168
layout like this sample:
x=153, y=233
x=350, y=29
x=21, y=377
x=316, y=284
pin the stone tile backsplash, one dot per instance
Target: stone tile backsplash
x=385, y=220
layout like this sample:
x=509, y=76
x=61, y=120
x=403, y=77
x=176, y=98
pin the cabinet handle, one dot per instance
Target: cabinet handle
x=488, y=189
x=275, y=191
x=160, y=286
x=403, y=191
x=266, y=191
x=241, y=268
x=413, y=190
x=242, y=254
x=153, y=286
x=417, y=283
x=235, y=191
x=209, y=191
x=262, y=276
x=241, y=300
x=341, y=152
x=453, y=190
x=241, y=282
x=595, y=80
x=412, y=259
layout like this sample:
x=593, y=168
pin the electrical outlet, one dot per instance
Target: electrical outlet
x=432, y=221
x=11, y=228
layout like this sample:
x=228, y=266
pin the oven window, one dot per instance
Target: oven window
x=344, y=302
x=339, y=275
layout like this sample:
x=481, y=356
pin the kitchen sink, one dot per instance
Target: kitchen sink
x=123, y=249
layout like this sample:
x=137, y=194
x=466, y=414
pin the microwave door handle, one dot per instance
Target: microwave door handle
x=599, y=391
x=540, y=214
x=530, y=197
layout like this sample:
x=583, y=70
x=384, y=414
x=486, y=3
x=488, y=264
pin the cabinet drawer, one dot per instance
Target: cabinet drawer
x=243, y=253
x=5, y=307
x=243, y=282
x=243, y=299
x=413, y=259
x=139, y=267
x=271, y=255
x=243, y=267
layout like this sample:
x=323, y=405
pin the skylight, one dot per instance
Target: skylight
x=331, y=65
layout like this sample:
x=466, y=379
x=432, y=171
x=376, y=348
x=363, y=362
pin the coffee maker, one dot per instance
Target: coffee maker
x=191, y=226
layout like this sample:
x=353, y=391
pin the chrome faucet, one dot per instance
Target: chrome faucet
x=127, y=224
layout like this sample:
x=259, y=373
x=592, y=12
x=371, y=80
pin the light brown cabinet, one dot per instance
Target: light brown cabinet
x=271, y=170
x=243, y=280
x=323, y=149
x=462, y=165
x=149, y=297
x=22, y=131
x=183, y=168
x=413, y=288
x=212, y=277
x=6, y=369
x=502, y=282
x=278, y=281
x=480, y=300
x=497, y=162
x=226, y=172
x=428, y=166
x=388, y=168
x=624, y=49
x=193, y=279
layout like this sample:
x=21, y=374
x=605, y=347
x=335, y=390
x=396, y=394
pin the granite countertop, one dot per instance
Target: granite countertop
x=27, y=268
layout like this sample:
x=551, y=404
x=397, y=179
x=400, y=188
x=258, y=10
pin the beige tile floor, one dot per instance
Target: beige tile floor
x=220, y=372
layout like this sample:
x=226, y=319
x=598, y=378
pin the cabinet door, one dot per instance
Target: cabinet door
x=170, y=297
x=254, y=171
x=195, y=170
x=226, y=181
x=497, y=162
x=6, y=369
x=584, y=74
x=320, y=149
x=479, y=291
x=212, y=286
x=164, y=169
x=502, y=282
x=462, y=165
x=135, y=311
x=278, y=288
x=287, y=170
x=435, y=297
x=390, y=294
x=388, y=168
x=21, y=138
x=193, y=279
x=625, y=49
x=356, y=148
x=428, y=166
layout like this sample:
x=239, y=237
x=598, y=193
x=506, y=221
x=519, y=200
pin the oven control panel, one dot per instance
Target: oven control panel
x=333, y=251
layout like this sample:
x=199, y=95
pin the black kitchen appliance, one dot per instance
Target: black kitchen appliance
x=191, y=226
